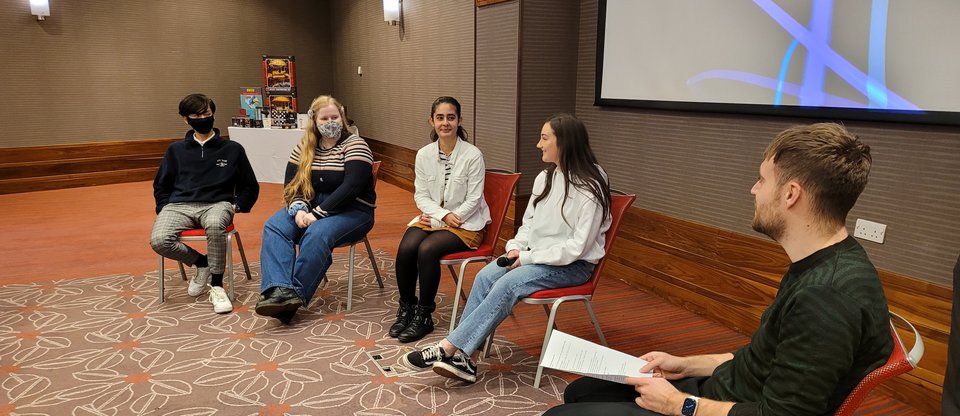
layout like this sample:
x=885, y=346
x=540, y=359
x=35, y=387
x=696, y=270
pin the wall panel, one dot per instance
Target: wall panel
x=102, y=70
x=391, y=101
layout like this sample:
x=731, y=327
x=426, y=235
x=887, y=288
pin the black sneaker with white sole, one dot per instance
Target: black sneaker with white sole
x=423, y=359
x=459, y=367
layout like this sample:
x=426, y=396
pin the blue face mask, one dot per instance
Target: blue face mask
x=201, y=125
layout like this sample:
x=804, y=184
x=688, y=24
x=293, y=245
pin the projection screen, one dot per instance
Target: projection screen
x=849, y=59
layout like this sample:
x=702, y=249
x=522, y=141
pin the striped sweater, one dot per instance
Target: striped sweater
x=342, y=176
x=825, y=330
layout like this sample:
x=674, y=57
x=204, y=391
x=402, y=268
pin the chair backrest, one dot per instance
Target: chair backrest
x=619, y=202
x=899, y=362
x=498, y=188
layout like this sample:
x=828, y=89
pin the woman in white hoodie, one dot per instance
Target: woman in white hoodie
x=449, y=194
x=559, y=243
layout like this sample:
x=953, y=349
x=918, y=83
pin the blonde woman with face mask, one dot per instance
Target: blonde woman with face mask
x=329, y=197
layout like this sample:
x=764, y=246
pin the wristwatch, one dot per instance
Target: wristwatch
x=689, y=406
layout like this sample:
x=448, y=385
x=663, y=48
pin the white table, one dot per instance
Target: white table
x=268, y=150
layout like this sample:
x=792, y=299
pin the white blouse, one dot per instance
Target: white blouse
x=461, y=194
x=546, y=237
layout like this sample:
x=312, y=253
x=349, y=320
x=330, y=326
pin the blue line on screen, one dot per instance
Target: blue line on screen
x=784, y=65
x=814, y=72
x=876, y=80
x=822, y=56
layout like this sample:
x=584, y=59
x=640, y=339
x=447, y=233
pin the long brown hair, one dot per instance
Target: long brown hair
x=301, y=187
x=577, y=162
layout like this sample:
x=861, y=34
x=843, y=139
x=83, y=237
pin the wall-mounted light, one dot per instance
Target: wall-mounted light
x=40, y=8
x=393, y=13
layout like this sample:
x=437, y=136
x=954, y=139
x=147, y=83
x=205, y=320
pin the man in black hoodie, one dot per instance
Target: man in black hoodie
x=202, y=182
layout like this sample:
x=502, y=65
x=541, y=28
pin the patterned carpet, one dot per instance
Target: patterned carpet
x=106, y=346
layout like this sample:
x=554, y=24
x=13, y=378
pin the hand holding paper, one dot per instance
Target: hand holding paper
x=574, y=355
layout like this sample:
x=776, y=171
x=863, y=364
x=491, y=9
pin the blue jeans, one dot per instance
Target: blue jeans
x=495, y=291
x=280, y=265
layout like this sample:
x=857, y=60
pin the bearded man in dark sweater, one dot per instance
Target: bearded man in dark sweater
x=828, y=325
x=202, y=182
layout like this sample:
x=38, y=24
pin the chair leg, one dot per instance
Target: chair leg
x=183, y=272
x=456, y=279
x=373, y=262
x=547, y=310
x=456, y=300
x=546, y=339
x=489, y=344
x=243, y=256
x=229, y=269
x=596, y=323
x=161, y=279
x=353, y=250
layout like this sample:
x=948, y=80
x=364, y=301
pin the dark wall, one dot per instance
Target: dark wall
x=102, y=70
x=700, y=167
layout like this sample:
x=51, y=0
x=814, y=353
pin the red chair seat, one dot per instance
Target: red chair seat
x=485, y=250
x=198, y=232
x=584, y=289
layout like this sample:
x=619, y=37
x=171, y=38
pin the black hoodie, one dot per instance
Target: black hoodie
x=215, y=172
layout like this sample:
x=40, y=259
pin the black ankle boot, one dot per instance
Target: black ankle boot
x=420, y=325
x=404, y=315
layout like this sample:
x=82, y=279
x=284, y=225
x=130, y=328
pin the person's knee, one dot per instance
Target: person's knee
x=576, y=390
x=219, y=223
x=161, y=243
x=427, y=255
x=407, y=250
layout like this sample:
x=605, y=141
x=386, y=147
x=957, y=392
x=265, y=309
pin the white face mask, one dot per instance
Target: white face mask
x=330, y=129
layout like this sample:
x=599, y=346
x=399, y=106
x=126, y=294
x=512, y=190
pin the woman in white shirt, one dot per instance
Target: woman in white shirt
x=449, y=194
x=559, y=243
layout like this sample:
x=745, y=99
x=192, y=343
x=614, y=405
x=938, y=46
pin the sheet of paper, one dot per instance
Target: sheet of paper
x=579, y=356
x=413, y=221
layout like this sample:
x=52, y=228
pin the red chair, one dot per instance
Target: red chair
x=900, y=362
x=498, y=187
x=619, y=203
x=353, y=252
x=197, y=234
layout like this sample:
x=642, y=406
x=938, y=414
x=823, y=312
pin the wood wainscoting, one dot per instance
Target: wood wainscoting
x=26, y=169
x=730, y=278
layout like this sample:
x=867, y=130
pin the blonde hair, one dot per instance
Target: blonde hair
x=301, y=187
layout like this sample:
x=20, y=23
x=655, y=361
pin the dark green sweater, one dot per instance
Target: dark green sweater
x=827, y=327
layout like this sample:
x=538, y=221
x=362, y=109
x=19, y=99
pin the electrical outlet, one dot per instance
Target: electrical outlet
x=869, y=230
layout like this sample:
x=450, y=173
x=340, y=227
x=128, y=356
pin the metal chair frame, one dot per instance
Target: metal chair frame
x=458, y=277
x=555, y=302
x=197, y=234
x=353, y=253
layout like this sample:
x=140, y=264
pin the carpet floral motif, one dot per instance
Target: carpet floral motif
x=107, y=346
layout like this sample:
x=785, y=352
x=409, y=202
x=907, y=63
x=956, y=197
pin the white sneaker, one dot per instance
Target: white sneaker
x=220, y=300
x=198, y=284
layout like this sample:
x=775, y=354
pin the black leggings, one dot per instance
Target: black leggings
x=590, y=396
x=419, y=255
